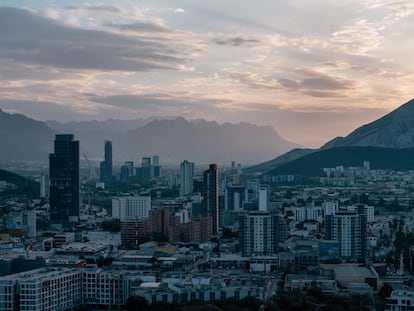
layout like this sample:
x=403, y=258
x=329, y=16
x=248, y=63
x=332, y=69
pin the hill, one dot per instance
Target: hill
x=24, y=139
x=380, y=158
x=394, y=130
x=25, y=186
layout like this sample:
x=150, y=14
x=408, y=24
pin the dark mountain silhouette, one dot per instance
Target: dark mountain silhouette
x=394, y=130
x=379, y=158
x=25, y=186
x=24, y=139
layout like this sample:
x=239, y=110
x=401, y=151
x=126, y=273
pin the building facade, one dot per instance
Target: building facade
x=210, y=202
x=64, y=180
x=106, y=165
x=349, y=229
x=187, y=174
x=258, y=233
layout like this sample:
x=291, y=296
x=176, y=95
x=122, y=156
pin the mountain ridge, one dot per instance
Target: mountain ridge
x=173, y=139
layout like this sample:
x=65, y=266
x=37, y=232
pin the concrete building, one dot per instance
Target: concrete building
x=44, y=289
x=263, y=201
x=400, y=300
x=187, y=175
x=349, y=229
x=258, y=233
x=131, y=208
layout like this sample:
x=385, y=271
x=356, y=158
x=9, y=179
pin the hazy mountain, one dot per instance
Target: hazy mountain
x=202, y=141
x=173, y=140
x=107, y=126
x=394, y=130
x=24, y=139
x=312, y=164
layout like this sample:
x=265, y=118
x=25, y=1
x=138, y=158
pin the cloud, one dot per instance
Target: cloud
x=96, y=8
x=307, y=82
x=29, y=38
x=237, y=40
x=140, y=27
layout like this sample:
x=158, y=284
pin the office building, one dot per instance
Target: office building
x=106, y=165
x=145, y=172
x=64, y=180
x=156, y=168
x=187, y=175
x=258, y=233
x=210, y=202
x=349, y=229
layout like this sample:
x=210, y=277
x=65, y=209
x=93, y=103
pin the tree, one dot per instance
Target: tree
x=135, y=303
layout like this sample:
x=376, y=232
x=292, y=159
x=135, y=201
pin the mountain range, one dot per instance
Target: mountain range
x=392, y=131
x=173, y=139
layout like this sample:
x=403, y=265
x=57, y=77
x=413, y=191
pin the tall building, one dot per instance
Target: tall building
x=44, y=186
x=263, y=202
x=64, y=180
x=234, y=197
x=156, y=168
x=106, y=165
x=258, y=232
x=187, y=175
x=146, y=170
x=210, y=203
x=349, y=229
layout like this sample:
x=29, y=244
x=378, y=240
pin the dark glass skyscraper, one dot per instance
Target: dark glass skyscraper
x=106, y=165
x=64, y=180
x=210, y=203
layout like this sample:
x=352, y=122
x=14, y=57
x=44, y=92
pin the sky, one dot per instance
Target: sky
x=312, y=69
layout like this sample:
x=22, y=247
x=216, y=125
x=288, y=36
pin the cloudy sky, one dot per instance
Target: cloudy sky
x=313, y=69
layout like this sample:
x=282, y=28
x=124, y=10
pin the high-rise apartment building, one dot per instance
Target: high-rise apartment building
x=258, y=233
x=187, y=175
x=349, y=229
x=106, y=165
x=210, y=203
x=263, y=202
x=131, y=208
x=64, y=180
x=234, y=197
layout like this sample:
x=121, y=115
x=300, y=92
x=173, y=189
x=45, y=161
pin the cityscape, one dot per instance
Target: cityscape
x=206, y=156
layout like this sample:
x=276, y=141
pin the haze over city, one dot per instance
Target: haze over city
x=311, y=69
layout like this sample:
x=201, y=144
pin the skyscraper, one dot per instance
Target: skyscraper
x=145, y=170
x=106, y=165
x=156, y=168
x=64, y=180
x=187, y=174
x=210, y=203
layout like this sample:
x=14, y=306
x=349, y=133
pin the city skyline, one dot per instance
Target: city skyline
x=312, y=70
